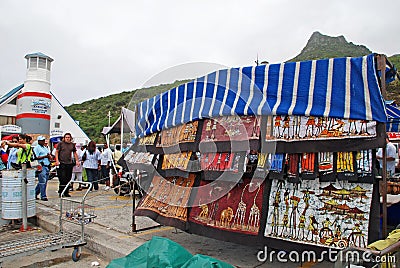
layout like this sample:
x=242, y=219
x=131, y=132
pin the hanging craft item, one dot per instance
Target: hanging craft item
x=364, y=160
x=233, y=162
x=139, y=160
x=261, y=170
x=346, y=166
x=184, y=135
x=309, y=166
x=145, y=144
x=239, y=210
x=320, y=213
x=277, y=163
x=147, y=140
x=293, y=167
x=252, y=160
x=176, y=161
x=231, y=133
x=326, y=166
x=167, y=200
x=291, y=128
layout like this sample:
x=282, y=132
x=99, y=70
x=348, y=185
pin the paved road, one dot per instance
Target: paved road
x=111, y=235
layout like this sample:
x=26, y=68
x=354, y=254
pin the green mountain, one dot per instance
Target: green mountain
x=321, y=46
x=93, y=114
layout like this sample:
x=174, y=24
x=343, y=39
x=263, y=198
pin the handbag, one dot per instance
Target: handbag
x=34, y=162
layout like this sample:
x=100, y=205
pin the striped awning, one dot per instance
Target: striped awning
x=393, y=118
x=340, y=87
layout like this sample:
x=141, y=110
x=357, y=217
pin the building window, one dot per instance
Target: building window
x=7, y=120
x=33, y=63
x=48, y=65
x=57, y=125
x=42, y=63
x=14, y=101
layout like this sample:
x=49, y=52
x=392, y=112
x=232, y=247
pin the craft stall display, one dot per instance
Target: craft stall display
x=275, y=165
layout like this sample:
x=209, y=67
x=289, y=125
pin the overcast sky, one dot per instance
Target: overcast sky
x=105, y=47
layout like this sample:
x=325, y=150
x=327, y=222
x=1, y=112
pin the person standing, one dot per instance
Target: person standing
x=77, y=170
x=4, y=155
x=91, y=163
x=125, y=148
x=391, y=154
x=42, y=154
x=105, y=162
x=24, y=151
x=117, y=155
x=64, y=152
x=12, y=154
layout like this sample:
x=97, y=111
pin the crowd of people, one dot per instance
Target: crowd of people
x=74, y=162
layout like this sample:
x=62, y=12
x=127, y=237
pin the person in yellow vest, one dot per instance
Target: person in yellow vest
x=24, y=153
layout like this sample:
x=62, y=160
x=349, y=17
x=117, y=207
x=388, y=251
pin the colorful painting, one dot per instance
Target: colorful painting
x=139, y=158
x=180, y=134
x=221, y=162
x=148, y=140
x=167, y=197
x=237, y=211
x=320, y=213
x=178, y=161
x=292, y=128
x=231, y=128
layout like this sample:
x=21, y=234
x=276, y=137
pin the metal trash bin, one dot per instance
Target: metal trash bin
x=11, y=188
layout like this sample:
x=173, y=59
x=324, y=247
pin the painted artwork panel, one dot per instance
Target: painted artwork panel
x=221, y=162
x=180, y=134
x=168, y=197
x=139, y=158
x=237, y=211
x=231, y=128
x=330, y=214
x=148, y=140
x=178, y=161
x=298, y=128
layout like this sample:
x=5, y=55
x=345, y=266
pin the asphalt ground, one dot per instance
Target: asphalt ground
x=110, y=234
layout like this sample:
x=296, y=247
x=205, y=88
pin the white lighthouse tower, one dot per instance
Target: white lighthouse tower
x=34, y=101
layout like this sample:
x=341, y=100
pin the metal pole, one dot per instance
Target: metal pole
x=133, y=206
x=384, y=194
x=24, y=182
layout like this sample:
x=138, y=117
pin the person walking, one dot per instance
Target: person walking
x=91, y=162
x=105, y=162
x=42, y=154
x=64, y=152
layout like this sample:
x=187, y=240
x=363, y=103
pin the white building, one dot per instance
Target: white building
x=33, y=106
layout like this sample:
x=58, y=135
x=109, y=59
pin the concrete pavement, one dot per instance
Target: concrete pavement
x=110, y=236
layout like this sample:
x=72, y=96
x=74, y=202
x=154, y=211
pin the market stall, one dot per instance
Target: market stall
x=280, y=155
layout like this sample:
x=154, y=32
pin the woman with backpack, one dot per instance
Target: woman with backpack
x=91, y=162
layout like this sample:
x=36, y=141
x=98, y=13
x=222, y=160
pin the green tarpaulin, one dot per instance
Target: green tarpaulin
x=161, y=252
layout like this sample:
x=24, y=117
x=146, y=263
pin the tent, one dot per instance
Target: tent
x=124, y=124
x=338, y=88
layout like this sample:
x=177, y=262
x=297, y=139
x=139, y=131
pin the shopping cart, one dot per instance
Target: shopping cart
x=71, y=210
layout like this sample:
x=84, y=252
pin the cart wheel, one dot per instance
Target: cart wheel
x=76, y=254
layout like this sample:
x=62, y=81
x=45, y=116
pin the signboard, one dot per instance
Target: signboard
x=11, y=129
x=394, y=135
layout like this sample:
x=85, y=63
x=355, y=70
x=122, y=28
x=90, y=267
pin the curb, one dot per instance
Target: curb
x=108, y=243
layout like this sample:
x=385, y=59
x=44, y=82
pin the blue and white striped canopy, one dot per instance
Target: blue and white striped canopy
x=393, y=118
x=339, y=87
